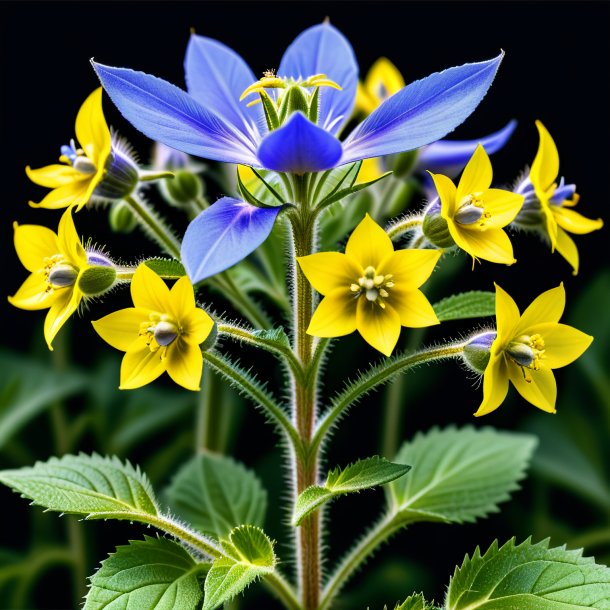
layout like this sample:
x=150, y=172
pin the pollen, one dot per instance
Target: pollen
x=373, y=286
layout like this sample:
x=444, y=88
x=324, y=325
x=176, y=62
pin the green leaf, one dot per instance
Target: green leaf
x=344, y=192
x=249, y=556
x=94, y=486
x=274, y=335
x=459, y=475
x=168, y=268
x=474, y=304
x=529, y=577
x=29, y=387
x=150, y=574
x=215, y=494
x=414, y=602
x=331, y=181
x=362, y=474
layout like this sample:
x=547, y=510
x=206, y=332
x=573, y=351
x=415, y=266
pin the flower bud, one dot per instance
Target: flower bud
x=121, y=218
x=530, y=216
x=435, y=227
x=96, y=280
x=184, y=188
x=476, y=352
x=121, y=177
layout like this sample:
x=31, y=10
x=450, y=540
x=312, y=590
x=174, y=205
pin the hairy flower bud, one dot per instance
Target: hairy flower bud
x=476, y=353
x=96, y=280
x=183, y=189
x=121, y=218
x=121, y=177
x=435, y=227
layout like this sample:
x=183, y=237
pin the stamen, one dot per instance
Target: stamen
x=373, y=286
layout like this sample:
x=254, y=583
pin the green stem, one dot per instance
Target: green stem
x=154, y=225
x=244, y=382
x=304, y=396
x=375, y=376
x=399, y=228
x=207, y=437
x=383, y=530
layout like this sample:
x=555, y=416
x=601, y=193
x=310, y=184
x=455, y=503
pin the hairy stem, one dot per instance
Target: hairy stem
x=400, y=227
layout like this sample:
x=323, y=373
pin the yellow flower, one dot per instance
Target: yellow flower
x=371, y=288
x=56, y=262
x=559, y=218
x=81, y=169
x=475, y=213
x=526, y=349
x=162, y=332
x=382, y=81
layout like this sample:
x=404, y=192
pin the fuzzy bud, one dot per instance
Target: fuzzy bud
x=184, y=188
x=435, y=228
x=121, y=177
x=96, y=280
x=121, y=218
x=477, y=351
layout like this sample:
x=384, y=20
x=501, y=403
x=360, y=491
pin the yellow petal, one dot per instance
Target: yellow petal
x=562, y=343
x=379, y=327
x=545, y=167
x=185, y=364
x=495, y=385
x=574, y=222
x=364, y=102
x=62, y=308
x=140, y=366
x=567, y=248
x=91, y=129
x=537, y=387
x=502, y=205
x=198, y=326
x=507, y=318
x=327, y=271
x=149, y=291
x=546, y=308
x=369, y=244
x=33, y=244
x=476, y=176
x=370, y=170
x=182, y=298
x=410, y=268
x=492, y=245
x=413, y=308
x=70, y=195
x=69, y=242
x=33, y=293
x=55, y=175
x=383, y=80
x=335, y=316
x=121, y=328
x=549, y=218
x=447, y=193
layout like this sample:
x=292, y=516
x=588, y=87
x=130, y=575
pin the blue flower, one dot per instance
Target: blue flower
x=212, y=121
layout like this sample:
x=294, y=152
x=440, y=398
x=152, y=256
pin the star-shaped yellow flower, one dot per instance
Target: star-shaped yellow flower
x=162, y=332
x=527, y=348
x=81, y=169
x=558, y=216
x=371, y=288
x=56, y=262
x=475, y=213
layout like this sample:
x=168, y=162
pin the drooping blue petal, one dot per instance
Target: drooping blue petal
x=224, y=234
x=299, y=146
x=421, y=113
x=562, y=192
x=169, y=115
x=322, y=49
x=216, y=76
x=449, y=157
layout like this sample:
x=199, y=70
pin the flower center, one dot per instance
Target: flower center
x=373, y=286
x=58, y=273
x=471, y=211
x=160, y=331
x=77, y=158
x=527, y=352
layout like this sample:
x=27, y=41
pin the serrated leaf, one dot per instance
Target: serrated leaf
x=275, y=335
x=473, y=304
x=529, y=577
x=150, y=574
x=459, y=475
x=360, y=475
x=168, y=268
x=414, y=602
x=249, y=556
x=29, y=387
x=216, y=494
x=94, y=486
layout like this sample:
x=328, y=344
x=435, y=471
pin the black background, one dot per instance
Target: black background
x=555, y=69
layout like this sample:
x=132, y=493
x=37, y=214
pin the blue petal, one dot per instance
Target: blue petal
x=224, y=234
x=422, y=112
x=562, y=192
x=299, y=146
x=322, y=49
x=169, y=115
x=216, y=77
x=449, y=157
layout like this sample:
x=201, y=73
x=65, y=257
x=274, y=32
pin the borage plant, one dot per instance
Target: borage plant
x=299, y=192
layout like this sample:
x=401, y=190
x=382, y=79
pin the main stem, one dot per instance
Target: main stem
x=304, y=397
